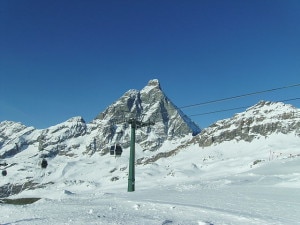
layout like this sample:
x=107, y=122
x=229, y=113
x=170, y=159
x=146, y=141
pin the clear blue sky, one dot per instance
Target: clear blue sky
x=60, y=59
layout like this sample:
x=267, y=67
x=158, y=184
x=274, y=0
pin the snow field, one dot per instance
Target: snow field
x=230, y=183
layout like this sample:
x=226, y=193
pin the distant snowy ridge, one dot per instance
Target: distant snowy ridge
x=260, y=120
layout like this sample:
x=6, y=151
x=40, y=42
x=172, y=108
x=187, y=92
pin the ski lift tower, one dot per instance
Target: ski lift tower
x=135, y=123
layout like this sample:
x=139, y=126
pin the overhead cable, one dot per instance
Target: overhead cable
x=232, y=109
x=239, y=96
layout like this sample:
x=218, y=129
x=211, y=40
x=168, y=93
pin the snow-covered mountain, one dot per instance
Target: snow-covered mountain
x=260, y=120
x=172, y=132
x=149, y=104
x=109, y=127
x=76, y=138
x=256, y=150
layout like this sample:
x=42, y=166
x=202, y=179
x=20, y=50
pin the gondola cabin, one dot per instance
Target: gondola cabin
x=44, y=164
x=4, y=173
x=116, y=150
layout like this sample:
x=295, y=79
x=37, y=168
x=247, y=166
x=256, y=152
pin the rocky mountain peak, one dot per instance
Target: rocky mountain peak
x=154, y=83
x=148, y=104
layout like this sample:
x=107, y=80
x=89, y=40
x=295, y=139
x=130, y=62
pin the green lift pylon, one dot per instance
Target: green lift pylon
x=131, y=175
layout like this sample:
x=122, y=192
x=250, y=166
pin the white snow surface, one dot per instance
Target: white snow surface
x=228, y=183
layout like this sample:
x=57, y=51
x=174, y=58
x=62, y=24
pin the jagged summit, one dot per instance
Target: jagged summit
x=154, y=83
x=148, y=104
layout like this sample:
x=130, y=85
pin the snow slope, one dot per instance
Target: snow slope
x=234, y=182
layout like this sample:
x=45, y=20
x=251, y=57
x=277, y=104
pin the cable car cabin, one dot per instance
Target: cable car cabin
x=116, y=150
x=44, y=164
x=4, y=173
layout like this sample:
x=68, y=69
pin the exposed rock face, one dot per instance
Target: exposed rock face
x=259, y=120
x=75, y=136
x=149, y=104
x=14, y=137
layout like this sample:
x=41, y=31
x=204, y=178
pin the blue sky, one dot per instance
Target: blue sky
x=60, y=59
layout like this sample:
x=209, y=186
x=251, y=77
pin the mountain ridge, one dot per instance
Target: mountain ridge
x=75, y=142
x=262, y=119
x=149, y=104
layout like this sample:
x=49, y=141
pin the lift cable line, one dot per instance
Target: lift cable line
x=218, y=111
x=239, y=96
x=232, y=109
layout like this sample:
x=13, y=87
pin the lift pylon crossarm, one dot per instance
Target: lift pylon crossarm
x=139, y=124
x=149, y=123
x=117, y=121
